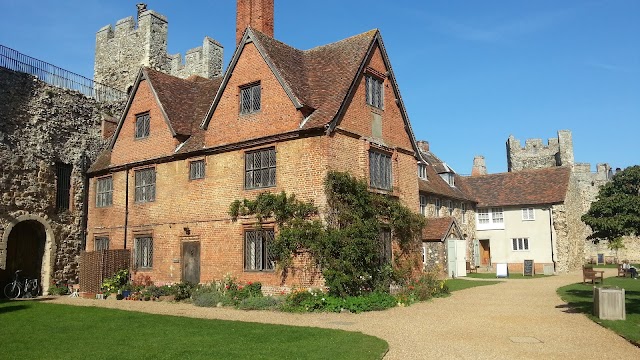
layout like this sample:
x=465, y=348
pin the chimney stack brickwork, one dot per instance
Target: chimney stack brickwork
x=255, y=13
x=479, y=166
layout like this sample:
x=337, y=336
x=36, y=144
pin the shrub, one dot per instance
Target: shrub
x=207, y=299
x=182, y=290
x=58, y=290
x=260, y=303
x=317, y=301
x=423, y=288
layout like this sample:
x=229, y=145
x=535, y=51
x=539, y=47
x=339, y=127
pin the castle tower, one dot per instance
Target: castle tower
x=536, y=155
x=479, y=166
x=255, y=13
x=121, y=51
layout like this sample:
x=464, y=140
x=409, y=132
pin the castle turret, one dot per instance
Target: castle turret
x=255, y=13
x=536, y=155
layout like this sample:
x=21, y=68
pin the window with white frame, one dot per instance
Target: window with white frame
x=145, y=185
x=520, y=244
x=142, y=126
x=101, y=243
x=256, y=250
x=449, y=178
x=422, y=171
x=490, y=218
x=438, y=204
x=250, y=98
x=260, y=168
x=380, y=170
x=196, y=170
x=374, y=91
x=143, y=252
x=463, y=209
x=528, y=214
x=423, y=205
x=450, y=207
x=104, y=192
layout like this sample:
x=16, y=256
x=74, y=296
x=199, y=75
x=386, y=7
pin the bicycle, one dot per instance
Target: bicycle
x=14, y=289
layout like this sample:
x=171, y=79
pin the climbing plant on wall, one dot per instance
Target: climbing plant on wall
x=347, y=244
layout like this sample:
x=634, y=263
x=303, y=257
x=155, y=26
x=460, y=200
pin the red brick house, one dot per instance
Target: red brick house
x=279, y=119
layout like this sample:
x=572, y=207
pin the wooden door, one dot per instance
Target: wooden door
x=191, y=262
x=485, y=253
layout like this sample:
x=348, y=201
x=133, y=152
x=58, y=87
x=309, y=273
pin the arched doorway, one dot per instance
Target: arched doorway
x=29, y=247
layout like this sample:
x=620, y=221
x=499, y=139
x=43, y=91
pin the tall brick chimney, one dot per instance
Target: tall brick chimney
x=255, y=13
x=479, y=166
x=423, y=146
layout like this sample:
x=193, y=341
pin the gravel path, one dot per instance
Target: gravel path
x=517, y=319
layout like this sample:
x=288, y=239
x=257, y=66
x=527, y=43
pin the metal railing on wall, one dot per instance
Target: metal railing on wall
x=53, y=75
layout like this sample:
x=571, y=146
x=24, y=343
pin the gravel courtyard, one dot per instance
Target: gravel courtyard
x=516, y=319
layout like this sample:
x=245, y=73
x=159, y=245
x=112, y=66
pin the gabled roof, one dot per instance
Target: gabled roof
x=525, y=187
x=439, y=229
x=182, y=102
x=438, y=186
x=320, y=81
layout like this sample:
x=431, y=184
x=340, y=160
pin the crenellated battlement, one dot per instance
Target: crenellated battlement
x=535, y=154
x=123, y=49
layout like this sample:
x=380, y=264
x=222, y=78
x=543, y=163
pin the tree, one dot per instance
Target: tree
x=616, y=211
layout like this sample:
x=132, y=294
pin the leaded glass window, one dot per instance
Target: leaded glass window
x=250, y=99
x=196, y=170
x=256, y=250
x=143, y=252
x=380, y=170
x=142, y=125
x=104, y=192
x=374, y=91
x=260, y=169
x=145, y=185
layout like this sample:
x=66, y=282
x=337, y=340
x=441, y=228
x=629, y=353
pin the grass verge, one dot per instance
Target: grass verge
x=461, y=284
x=36, y=330
x=580, y=298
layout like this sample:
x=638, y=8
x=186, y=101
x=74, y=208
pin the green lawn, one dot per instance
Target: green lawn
x=36, y=330
x=511, y=276
x=580, y=298
x=461, y=284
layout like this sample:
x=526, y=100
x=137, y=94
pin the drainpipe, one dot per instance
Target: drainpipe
x=126, y=207
x=551, y=237
x=85, y=202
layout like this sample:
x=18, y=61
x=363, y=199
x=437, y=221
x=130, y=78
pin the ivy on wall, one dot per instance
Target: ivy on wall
x=346, y=245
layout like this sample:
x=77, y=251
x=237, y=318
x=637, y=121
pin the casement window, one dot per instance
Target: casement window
x=143, y=252
x=375, y=93
x=63, y=185
x=256, y=250
x=490, y=218
x=424, y=256
x=380, y=170
x=386, y=253
x=145, y=185
x=438, y=204
x=104, y=191
x=463, y=209
x=422, y=171
x=250, y=98
x=260, y=168
x=520, y=244
x=423, y=205
x=528, y=214
x=101, y=243
x=196, y=170
x=142, y=126
x=450, y=207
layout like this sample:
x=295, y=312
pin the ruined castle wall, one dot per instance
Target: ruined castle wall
x=630, y=251
x=39, y=126
x=569, y=230
x=121, y=51
x=536, y=155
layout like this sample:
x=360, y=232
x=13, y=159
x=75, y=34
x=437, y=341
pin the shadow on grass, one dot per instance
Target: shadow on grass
x=11, y=308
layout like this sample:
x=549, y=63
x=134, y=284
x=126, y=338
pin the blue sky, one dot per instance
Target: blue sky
x=470, y=72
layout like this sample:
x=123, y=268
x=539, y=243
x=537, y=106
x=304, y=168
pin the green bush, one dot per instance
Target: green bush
x=260, y=303
x=58, y=290
x=209, y=299
x=317, y=301
x=182, y=290
x=423, y=288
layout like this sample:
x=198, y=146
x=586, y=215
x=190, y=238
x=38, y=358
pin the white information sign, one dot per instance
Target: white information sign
x=502, y=271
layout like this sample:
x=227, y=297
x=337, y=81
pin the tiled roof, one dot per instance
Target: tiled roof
x=185, y=101
x=102, y=162
x=438, y=186
x=320, y=77
x=437, y=228
x=525, y=187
